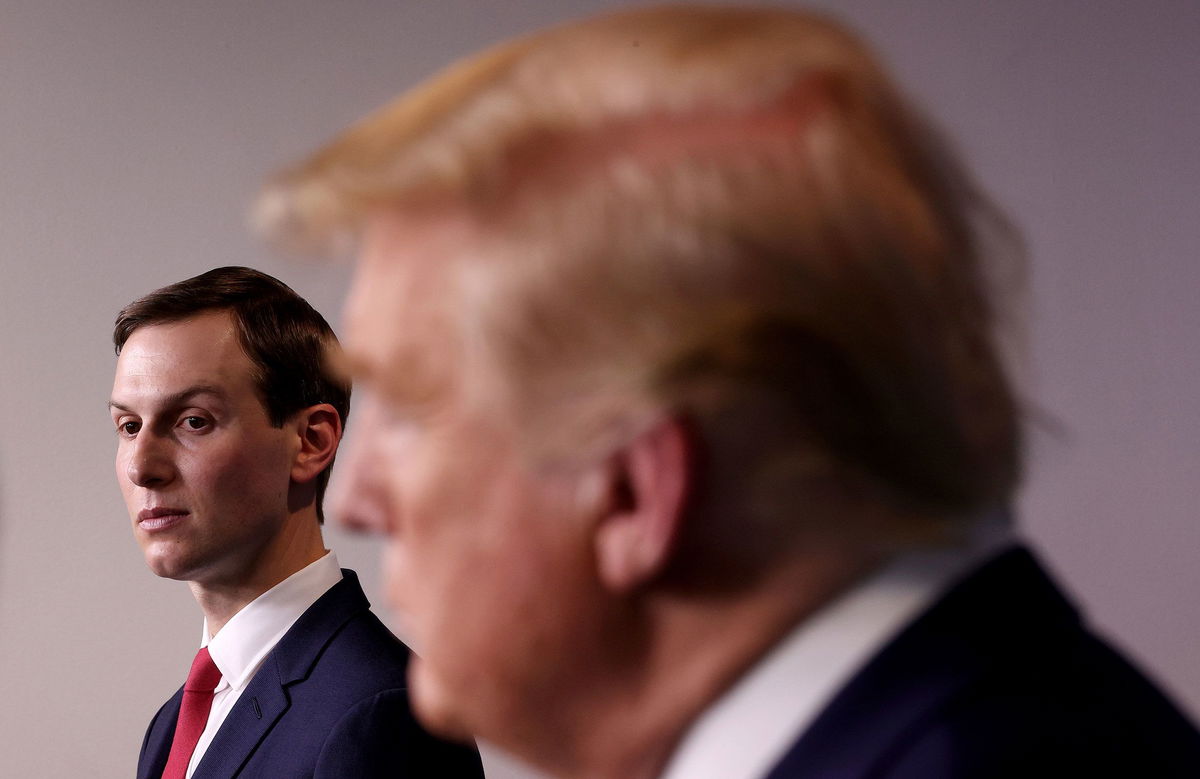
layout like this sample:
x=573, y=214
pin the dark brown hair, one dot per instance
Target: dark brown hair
x=286, y=339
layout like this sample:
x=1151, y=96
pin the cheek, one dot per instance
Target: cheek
x=245, y=476
x=500, y=561
x=122, y=473
x=473, y=541
x=505, y=614
x=217, y=473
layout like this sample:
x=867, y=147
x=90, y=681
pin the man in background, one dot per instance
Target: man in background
x=687, y=425
x=228, y=416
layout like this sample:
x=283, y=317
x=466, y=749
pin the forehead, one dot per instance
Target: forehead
x=402, y=314
x=166, y=357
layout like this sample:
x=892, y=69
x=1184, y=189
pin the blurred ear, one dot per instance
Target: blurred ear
x=320, y=430
x=648, y=482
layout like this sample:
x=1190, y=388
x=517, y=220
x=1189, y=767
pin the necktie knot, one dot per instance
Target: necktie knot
x=204, y=675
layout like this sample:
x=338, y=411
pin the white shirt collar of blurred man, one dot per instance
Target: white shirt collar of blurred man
x=750, y=728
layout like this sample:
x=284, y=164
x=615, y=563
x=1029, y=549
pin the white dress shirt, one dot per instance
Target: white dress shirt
x=240, y=647
x=750, y=728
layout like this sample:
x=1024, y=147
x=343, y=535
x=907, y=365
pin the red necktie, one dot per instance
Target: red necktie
x=193, y=714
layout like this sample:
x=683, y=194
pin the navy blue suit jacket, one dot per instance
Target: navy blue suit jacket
x=998, y=679
x=328, y=701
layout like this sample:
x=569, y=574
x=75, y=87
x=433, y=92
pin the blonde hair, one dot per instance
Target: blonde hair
x=726, y=213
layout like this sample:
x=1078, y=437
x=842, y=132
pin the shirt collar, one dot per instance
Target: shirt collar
x=753, y=724
x=239, y=648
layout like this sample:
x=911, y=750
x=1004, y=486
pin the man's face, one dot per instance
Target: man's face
x=204, y=474
x=487, y=561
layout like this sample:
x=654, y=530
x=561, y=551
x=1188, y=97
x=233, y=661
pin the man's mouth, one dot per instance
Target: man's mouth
x=161, y=518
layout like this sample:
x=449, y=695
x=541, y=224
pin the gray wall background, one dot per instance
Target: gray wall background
x=133, y=134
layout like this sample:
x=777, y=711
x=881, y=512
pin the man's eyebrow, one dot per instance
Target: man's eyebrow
x=179, y=398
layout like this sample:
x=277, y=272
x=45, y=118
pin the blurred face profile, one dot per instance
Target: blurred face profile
x=485, y=560
x=204, y=474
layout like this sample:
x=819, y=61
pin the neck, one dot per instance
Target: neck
x=223, y=595
x=693, y=651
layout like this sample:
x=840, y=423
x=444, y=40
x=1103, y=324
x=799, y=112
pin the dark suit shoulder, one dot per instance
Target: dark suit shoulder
x=1045, y=690
x=379, y=736
x=1000, y=677
x=1081, y=709
x=363, y=655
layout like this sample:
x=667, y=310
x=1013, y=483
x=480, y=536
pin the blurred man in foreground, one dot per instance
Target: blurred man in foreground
x=228, y=417
x=687, y=426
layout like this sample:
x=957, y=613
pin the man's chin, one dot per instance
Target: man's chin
x=165, y=567
x=431, y=705
x=163, y=571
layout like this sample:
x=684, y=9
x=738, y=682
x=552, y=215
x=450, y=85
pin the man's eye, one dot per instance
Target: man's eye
x=195, y=423
x=129, y=428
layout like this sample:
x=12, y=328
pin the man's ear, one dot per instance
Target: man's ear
x=648, y=482
x=320, y=429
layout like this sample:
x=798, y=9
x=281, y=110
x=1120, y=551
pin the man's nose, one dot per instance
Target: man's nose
x=149, y=462
x=357, y=496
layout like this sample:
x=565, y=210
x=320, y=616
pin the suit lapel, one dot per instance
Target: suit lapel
x=266, y=698
x=158, y=739
x=262, y=703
